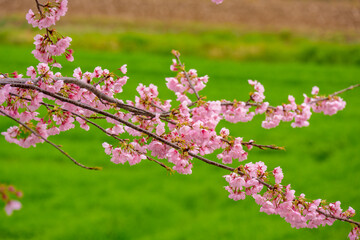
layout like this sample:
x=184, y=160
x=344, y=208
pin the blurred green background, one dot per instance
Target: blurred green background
x=62, y=201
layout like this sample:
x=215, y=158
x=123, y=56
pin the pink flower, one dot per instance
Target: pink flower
x=57, y=65
x=27, y=116
x=63, y=44
x=116, y=130
x=183, y=167
x=160, y=128
x=97, y=72
x=158, y=149
x=31, y=72
x=61, y=11
x=69, y=55
x=217, y=1
x=83, y=123
x=11, y=206
x=123, y=69
x=116, y=157
x=108, y=148
x=4, y=93
x=43, y=68
x=136, y=158
x=77, y=73
x=354, y=234
x=262, y=108
x=173, y=66
x=224, y=132
x=86, y=77
x=30, y=17
x=278, y=174
x=315, y=90
x=258, y=97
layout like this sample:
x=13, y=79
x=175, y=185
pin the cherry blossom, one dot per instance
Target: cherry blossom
x=173, y=134
x=11, y=206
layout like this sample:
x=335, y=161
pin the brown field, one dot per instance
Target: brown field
x=296, y=15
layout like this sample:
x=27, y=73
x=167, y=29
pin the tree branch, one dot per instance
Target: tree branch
x=335, y=94
x=339, y=218
x=150, y=134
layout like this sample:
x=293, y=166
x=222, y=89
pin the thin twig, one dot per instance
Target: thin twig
x=262, y=147
x=161, y=164
x=38, y=7
x=51, y=143
x=335, y=94
x=187, y=76
x=158, y=107
x=96, y=117
x=338, y=218
x=345, y=90
x=100, y=81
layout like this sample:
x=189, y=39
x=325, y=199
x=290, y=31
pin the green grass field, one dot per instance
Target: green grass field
x=194, y=38
x=63, y=201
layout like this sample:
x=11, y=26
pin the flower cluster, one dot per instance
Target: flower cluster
x=302, y=113
x=52, y=11
x=51, y=44
x=328, y=105
x=281, y=200
x=190, y=127
x=187, y=130
x=240, y=186
x=23, y=104
x=232, y=150
x=180, y=131
x=132, y=154
x=181, y=84
x=258, y=95
x=7, y=192
x=355, y=233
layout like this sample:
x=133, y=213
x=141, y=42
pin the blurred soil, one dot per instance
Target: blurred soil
x=296, y=15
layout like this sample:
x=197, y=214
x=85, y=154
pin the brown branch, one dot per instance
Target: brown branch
x=246, y=103
x=105, y=97
x=156, y=106
x=262, y=147
x=150, y=134
x=161, y=164
x=311, y=102
x=49, y=142
x=96, y=117
x=96, y=92
x=131, y=125
x=38, y=7
x=88, y=87
x=100, y=81
x=345, y=90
